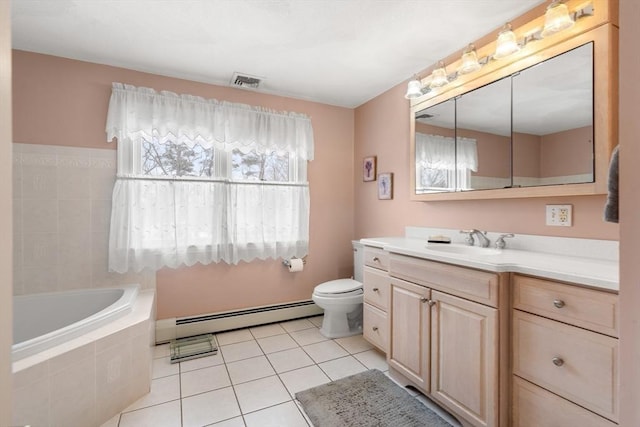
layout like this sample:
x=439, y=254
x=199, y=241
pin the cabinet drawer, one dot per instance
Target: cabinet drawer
x=577, y=364
x=475, y=285
x=536, y=407
x=375, y=328
x=376, y=288
x=587, y=308
x=376, y=258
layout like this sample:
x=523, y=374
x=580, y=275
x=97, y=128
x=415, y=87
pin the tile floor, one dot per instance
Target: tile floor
x=252, y=380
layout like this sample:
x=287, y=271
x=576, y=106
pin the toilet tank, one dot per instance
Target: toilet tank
x=358, y=260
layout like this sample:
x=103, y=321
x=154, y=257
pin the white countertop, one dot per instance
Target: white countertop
x=592, y=272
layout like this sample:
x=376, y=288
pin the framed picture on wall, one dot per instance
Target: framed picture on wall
x=369, y=168
x=385, y=186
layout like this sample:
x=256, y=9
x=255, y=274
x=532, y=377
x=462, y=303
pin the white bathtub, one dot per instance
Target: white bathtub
x=81, y=357
x=43, y=321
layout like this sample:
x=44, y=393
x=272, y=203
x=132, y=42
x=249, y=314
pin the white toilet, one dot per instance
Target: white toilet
x=341, y=300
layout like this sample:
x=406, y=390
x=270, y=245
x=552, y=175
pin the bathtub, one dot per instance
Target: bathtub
x=81, y=357
x=43, y=321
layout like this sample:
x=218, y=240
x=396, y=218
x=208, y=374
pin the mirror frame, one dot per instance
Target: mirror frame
x=605, y=60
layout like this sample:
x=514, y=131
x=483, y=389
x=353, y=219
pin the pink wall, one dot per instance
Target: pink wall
x=59, y=101
x=526, y=155
x=629, y=218
x=567, y=153
x=382, y=129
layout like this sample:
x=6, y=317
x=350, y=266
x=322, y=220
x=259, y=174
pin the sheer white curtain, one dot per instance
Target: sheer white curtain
x=158, y=222
x=440, y=162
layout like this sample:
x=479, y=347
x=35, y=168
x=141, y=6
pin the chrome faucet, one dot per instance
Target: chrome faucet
x=482, y=238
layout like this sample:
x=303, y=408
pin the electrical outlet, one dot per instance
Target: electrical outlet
x=559, y=215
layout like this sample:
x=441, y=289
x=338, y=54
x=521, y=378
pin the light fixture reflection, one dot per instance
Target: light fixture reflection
x=414, y=89
x=507, y=43
x=556, y=19
x=439, y=76
x=469, y=61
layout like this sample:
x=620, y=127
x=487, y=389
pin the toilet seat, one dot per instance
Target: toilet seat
x=339, y=288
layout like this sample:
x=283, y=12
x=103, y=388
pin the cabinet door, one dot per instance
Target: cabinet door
x=409, y=325
x=464, y=351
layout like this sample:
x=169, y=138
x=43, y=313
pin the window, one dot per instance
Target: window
x=227, y=184
x=443, y=163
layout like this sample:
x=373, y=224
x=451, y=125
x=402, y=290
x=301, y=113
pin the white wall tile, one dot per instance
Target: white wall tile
x=40, y=215
x=74, y=216
x=40, y=250
x=39, y=182
x=72, y=178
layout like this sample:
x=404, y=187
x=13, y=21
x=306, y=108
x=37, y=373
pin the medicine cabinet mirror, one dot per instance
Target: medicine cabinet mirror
x=541, y=127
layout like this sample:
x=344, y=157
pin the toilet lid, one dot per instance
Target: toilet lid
x=339, y=286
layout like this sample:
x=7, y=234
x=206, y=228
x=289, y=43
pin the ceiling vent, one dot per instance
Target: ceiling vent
x=245, y=81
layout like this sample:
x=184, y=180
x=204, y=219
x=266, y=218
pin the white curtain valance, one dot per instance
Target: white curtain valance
x=137, y=113
x=440, y=152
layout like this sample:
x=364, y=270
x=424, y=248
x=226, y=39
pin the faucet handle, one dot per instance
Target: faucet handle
x=500, y=243
x=469, y=239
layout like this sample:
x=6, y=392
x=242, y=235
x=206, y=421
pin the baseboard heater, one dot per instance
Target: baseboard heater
x=173, y=328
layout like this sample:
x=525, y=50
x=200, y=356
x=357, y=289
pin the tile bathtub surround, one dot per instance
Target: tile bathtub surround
x=62, y=211
x=252, y=380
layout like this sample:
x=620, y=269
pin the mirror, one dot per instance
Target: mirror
x=553, y=121
x=531, y=128
x=483, y=131
x=435, y=148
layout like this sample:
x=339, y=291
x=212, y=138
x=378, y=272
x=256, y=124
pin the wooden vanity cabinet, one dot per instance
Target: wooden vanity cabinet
x=446, y=337
x=375, y=284
x=565, y=354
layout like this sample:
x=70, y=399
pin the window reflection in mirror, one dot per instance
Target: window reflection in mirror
x=553, y=121
x=483, y=130
x=435, y=149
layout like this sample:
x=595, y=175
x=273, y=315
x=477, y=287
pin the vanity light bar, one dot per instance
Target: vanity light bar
x=440, y=78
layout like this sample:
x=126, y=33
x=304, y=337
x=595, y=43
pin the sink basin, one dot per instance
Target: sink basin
x=463, y=249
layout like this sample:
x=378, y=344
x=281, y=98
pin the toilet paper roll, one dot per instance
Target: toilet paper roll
x=295, y=264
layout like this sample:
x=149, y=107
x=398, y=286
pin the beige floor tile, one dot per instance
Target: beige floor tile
x=202, y=362
x=163, y=415
x=164, y=368
x=297, y=325
x=250, y=369
x=239, y=351
x=162, y=390
x=303, y=379
x=233, y=422
x=308, y=336
x=324, y=350
x=289, y=360
x=286, y=414
x=267, y=330
x=277, y=343
x=340, y=368
x=354, y=344
x=207, y=408
x=205, y=379
x=260, y=394
x=373, y=359
x=317, y=320
x=233, y=337
x=161, y=350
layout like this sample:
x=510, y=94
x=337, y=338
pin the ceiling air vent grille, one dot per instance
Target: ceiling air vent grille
x=245, y=81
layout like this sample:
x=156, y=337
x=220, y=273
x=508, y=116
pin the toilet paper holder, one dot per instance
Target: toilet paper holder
x=287, y=262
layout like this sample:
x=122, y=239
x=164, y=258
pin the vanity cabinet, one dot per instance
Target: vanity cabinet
x=376, y=288
x=446, y=337
x=565, y=354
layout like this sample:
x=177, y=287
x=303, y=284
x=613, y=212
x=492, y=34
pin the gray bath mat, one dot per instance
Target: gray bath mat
x=366, y=399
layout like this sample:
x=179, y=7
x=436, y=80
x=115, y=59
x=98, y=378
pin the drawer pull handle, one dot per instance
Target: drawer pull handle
x=376, y=259
x=557, y=361
x=558, y=303
x=375, y=290
x=428, y=301
x=423, y=299
x=375, y=328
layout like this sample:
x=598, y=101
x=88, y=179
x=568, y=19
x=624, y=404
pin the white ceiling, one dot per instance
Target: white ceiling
x=338, y=52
